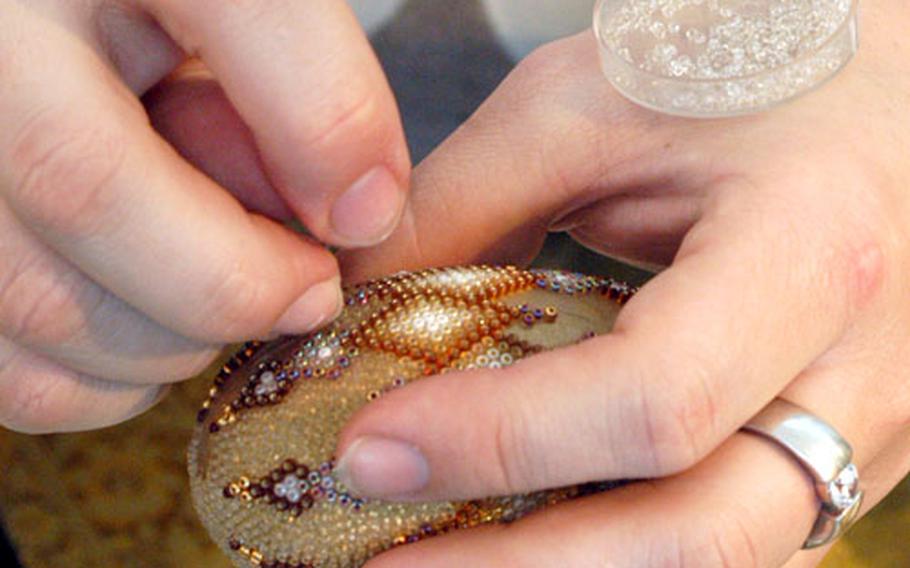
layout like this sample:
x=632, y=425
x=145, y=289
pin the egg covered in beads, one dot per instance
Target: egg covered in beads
x=261, y=459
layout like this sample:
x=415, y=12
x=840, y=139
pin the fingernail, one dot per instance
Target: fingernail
x=319, y=305
x=383, y=468
x=368, y=211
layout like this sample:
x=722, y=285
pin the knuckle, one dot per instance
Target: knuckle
x=728, y=545
x=679, y=417
x=353, y=116
x=513, y=456
x=864, y=268
x=36, y=307
x=62, y=171
x=716, y=545
x=545, y=61
x=540, y=78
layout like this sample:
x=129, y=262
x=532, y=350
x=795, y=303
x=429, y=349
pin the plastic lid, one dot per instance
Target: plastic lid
x=708, y=58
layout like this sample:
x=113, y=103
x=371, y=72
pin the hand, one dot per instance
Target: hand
x=787, y=236
x=124, y=266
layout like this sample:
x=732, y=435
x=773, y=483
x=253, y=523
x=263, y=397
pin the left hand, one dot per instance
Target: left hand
x=787, y=236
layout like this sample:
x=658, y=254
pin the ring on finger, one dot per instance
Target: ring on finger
x=825, y=455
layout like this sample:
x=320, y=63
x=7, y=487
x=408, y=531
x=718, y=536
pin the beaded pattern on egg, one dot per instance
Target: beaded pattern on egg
x=261, y=463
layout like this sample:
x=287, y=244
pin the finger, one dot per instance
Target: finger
x=641, y=229
x=725, y=512
x=191, y=112
x=552, y=140
x=38, y=397
x=134, y=43
x=49, y=307
x=80, y=166
x=748, y=504
x=698, y=350
x=128, y=39
x=740, y=513
x=303, y=76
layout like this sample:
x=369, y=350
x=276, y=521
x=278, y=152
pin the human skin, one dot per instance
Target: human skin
x=785, y=241
x=125, y=266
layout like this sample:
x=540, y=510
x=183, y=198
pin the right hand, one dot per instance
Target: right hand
x=124, y=266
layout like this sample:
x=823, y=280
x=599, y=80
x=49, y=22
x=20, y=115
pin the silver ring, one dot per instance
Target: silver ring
x=825, y=455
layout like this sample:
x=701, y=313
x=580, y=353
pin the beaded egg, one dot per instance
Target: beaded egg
x=261, y=458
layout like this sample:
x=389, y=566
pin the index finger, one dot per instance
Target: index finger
x=304, y=78
x=80, y=167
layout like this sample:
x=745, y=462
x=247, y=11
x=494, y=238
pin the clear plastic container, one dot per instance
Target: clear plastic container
x=709, y=58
